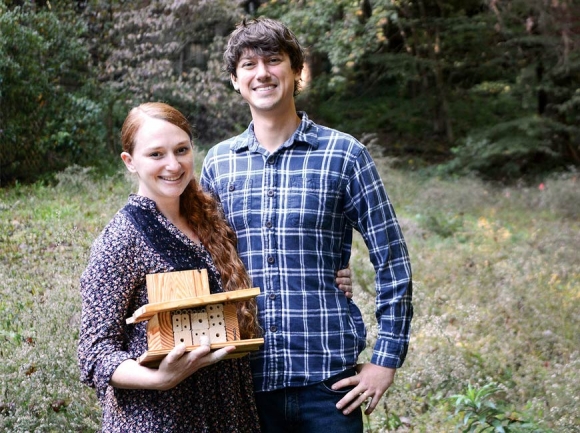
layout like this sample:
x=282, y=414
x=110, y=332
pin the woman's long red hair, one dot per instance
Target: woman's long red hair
x=203, y=214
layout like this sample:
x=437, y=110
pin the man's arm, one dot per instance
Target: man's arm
x=370, y=210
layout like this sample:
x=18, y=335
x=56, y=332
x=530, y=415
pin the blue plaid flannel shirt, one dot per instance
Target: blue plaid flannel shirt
x=293, y=212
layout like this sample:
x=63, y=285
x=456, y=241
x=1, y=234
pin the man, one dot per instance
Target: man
x=293, y=191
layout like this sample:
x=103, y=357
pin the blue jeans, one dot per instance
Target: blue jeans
x=308, y=409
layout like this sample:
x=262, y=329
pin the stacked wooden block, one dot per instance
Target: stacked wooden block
x=190, y=325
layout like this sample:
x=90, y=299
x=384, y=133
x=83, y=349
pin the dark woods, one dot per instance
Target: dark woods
x=464, y=87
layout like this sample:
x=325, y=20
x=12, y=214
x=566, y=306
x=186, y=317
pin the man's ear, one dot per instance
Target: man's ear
x=128, y=160
x=234, y=81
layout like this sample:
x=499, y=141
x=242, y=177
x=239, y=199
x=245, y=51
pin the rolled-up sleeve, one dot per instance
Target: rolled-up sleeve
x=107, y=288
x=372, y=214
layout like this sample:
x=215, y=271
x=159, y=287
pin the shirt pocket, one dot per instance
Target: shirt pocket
x=236, y=199
x=314, y=202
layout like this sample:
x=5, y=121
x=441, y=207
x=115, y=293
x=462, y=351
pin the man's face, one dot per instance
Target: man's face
x=265, y=82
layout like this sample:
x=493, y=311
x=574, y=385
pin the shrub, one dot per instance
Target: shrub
x=512, y=150
x=49, y=119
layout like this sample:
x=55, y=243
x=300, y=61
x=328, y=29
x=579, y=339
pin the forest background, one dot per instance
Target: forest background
x=484, y=87
x=471, y=109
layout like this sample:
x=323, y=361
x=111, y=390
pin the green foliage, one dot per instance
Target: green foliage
x=525, y=147
x=168, y=51
x=328, y=26
x=437, y=80
x=48, y=115
x=481, y=413
x=442, y=225
x=446, y=75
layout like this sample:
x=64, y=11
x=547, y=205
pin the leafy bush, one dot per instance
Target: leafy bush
x=168, y=51
x=479, y=412
x=48, y=116
x=516, y=149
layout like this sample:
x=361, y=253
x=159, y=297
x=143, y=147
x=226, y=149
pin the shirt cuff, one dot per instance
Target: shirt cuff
x=106, y=369
x=389, y=353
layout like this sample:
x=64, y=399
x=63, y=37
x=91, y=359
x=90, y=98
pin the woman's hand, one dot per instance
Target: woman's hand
x=179, y=364
x=174, y=368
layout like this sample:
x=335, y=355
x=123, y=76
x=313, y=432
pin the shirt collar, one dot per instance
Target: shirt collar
x=142, y=202
x=307, y=132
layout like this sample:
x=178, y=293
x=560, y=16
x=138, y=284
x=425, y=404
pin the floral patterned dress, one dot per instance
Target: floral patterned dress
x=139, y=240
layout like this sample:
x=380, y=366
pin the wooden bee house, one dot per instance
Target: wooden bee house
x=182, y=309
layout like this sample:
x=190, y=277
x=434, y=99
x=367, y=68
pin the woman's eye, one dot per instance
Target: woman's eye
x=155, y=155
x=183, y=150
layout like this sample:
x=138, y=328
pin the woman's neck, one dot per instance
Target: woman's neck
x=173, y=213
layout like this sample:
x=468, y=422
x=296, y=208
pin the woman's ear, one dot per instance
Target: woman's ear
x=128, y=160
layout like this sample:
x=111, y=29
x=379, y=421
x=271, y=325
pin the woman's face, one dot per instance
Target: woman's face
x=162, y=159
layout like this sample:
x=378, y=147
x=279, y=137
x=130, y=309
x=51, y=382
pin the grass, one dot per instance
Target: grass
x=496, y=289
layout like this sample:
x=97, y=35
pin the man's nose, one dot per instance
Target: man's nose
x=262, y=70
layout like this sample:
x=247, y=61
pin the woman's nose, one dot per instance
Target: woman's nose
x=172, y=162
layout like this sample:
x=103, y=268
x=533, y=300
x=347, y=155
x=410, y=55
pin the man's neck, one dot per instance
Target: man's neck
x=273, y=130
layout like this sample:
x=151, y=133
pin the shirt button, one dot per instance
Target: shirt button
x=272, y=296
x=270, y=161
x=271, y=193
x=269, y=224
x=232, y=187
x=273, y=328
x=270, y=259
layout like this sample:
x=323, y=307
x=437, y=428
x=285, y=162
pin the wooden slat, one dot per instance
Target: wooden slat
x=166, y=330
x=152, y=358
x=231, y=320
x=160, y=332
x=147, y=311
x=170, y=286
x=153, y=335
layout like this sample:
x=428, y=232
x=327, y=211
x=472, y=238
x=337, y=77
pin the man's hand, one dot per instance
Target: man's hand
x=344, y=281
x=371, y=382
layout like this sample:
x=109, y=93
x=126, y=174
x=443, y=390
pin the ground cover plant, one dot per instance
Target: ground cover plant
x=495, y=341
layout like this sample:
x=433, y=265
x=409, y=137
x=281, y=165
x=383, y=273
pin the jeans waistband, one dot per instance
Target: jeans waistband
x=346, y=373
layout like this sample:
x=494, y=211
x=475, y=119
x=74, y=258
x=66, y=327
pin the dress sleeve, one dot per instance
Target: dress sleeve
x=372, y=214
x=107, y=287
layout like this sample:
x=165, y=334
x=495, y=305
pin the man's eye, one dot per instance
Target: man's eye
x=183, y=150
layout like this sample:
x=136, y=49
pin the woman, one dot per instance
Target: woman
x=169, y=225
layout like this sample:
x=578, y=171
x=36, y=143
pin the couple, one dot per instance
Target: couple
x=291, y=191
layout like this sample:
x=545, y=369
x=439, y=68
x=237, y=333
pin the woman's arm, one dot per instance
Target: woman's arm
x=175, y=367
x=110, y=285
